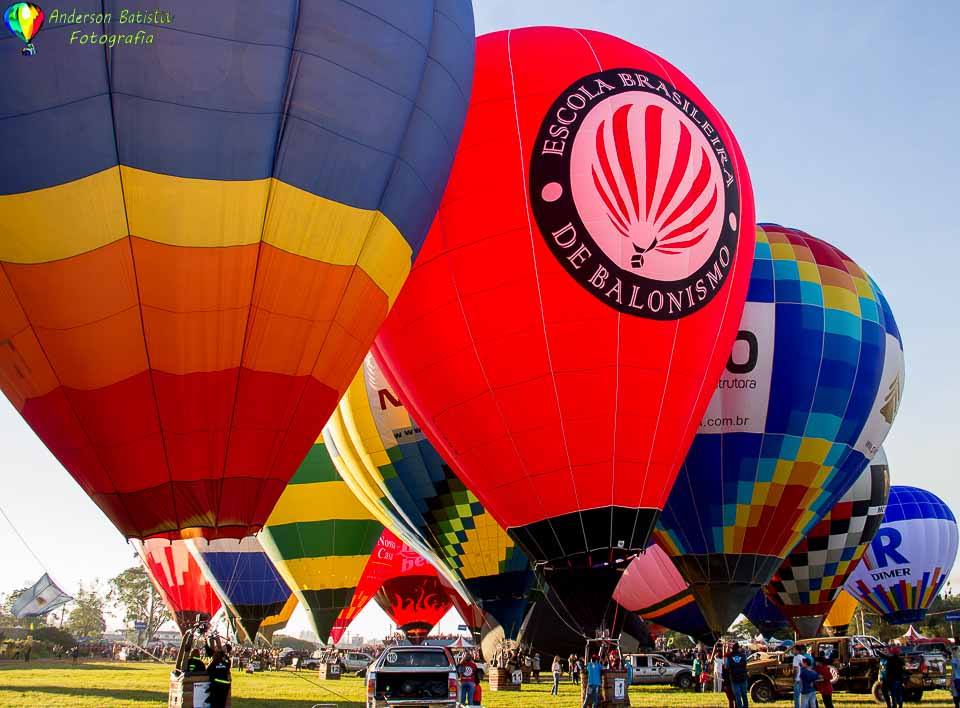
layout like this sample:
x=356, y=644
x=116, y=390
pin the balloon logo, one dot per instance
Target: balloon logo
x=629, y=187
x=24, y=20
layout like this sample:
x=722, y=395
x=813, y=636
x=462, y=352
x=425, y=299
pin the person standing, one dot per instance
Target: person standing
x=825, y=684
x=736, y=663
x=955, y=676
x=219, y=672
x=896, y=675
x=557, y=669
x=797, y=668
x=697, y=669
x=572, y=665
x=27, y=648
x=594, y=677
x=468, y=679
x=717, y=668
x=536, y=667
x=808, y=684
x=195, y=663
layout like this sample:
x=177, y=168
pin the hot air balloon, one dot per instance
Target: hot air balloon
x=812, y=576
x=841, y=614
x=810, y=390
x=653, y=588
x=202, y=234
x=405, y=586
x=414, y=597
x=558, y=350
x=420, y=489
x=244, y=578
x=319, y=537
x=766, y=615
x=910, y=558
x=178, y=579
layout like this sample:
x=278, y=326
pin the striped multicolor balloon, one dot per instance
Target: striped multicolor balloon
x=418, y=489
x=319, y=537
x=200, y=239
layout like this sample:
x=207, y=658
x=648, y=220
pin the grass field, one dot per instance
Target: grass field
x=95, y=684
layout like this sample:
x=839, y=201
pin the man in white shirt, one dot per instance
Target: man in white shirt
x=797, y=666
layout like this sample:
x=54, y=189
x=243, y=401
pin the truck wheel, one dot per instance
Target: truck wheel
x=877, y=693
x=685, y=681
x=762, y=692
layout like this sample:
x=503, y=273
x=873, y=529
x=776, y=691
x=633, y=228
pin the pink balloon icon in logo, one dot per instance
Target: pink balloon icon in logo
x=648, y=185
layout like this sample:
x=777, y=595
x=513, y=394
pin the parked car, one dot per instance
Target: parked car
x=413, y=676
x=856, y=659
x=355, y=661
x=649, y=669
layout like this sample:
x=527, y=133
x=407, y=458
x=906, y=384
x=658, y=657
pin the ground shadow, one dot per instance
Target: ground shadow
x=117, y=694
x=58, y=664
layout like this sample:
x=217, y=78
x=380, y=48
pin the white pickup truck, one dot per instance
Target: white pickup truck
x=413, y=676
x=656, y=669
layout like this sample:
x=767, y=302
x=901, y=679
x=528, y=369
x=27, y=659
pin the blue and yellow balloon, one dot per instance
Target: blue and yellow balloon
x=24, y=19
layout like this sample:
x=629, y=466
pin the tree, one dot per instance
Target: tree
x=135, y=596
x=744, y=630
x=86, y=618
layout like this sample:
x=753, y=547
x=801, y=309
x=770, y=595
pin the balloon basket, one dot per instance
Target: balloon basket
x=613, y=688
x=505, y=679
x=191, y=691
x=329, y=672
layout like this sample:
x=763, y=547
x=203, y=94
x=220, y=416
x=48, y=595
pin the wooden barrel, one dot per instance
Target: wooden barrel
x=329, y=671
x=503, y=679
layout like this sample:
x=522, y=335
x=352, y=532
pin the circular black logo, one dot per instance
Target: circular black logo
x=635, y=193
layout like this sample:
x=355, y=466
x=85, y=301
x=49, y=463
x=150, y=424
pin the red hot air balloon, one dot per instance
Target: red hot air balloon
x=412, y=593
x=577, y=296
x=179, y=580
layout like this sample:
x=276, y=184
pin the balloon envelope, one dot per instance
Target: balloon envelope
x=277, y=622
x=765, y=615
x=319, y=537
x=244, y=578
x=910, y=558
x=653, y=588
x=812, y=576
x=811, y=388
x=596, y=232
x=421, y=489
x=179, y=580
x=841, y=614
x=202, y=234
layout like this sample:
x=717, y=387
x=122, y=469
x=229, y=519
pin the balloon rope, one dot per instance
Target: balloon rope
x=318, y=685
x=24, y=542
x=575, y=630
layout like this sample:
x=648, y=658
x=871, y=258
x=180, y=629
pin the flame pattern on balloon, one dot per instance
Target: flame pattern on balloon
x=650, y=226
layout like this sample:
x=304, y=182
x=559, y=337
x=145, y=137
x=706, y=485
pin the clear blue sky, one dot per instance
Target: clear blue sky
x=847, y=114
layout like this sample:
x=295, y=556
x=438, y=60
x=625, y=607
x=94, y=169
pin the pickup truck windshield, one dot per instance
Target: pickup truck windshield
x=416, y=658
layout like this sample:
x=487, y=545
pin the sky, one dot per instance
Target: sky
x=847, y=116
